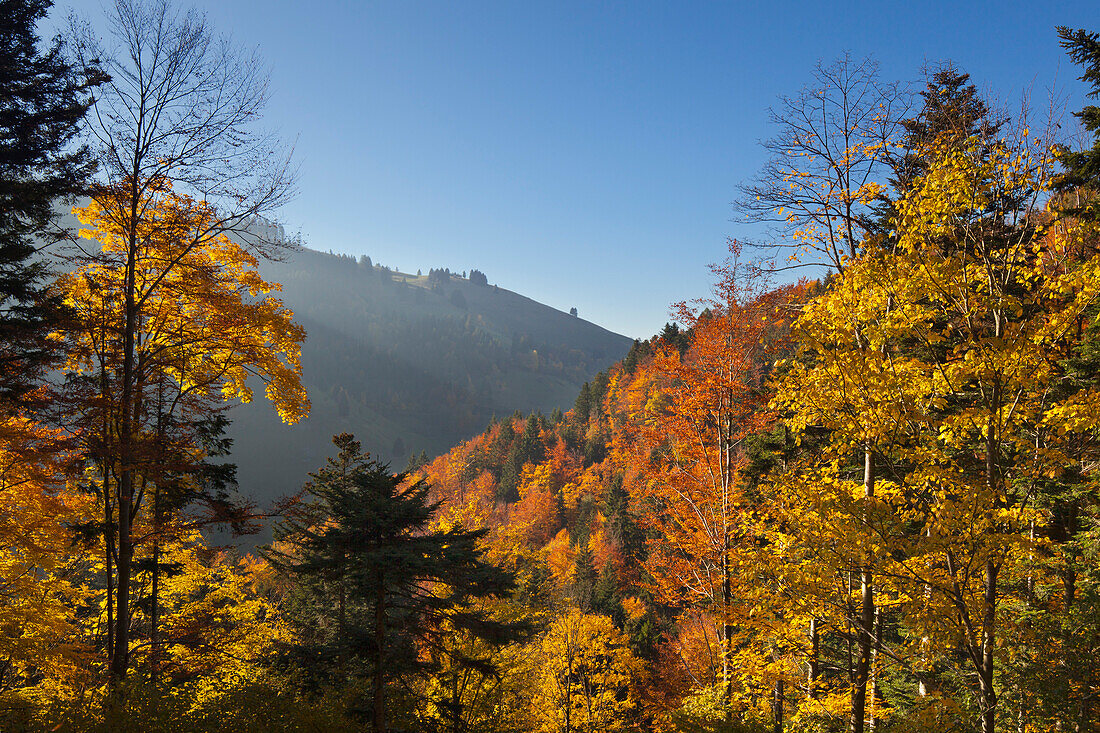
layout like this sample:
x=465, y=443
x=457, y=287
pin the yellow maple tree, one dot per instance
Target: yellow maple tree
x=586, y=676
x=173, y=320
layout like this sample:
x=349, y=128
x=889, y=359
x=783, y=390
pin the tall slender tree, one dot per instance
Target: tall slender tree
x=204, y=323
x=180, y=108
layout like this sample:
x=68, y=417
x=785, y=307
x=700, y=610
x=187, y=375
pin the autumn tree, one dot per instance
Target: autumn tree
x=936, y=358
x=690, y=425
x=845, y=385
x=846, y=217
x=204, y=325
x=42, y=655
x=586, y=677
x=826, y=162
x=978, y=211
x=1055, y=620
x=180, y=107
x=823, y=184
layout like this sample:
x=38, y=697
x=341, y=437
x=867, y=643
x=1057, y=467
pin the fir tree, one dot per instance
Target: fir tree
x=584, y=578
x=583, y=405
x=42, y=102
x=1082, y=167
x=675, y=338
x=951, y=107
x=378, y=583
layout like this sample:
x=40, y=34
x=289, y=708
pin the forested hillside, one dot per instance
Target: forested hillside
x=864, y=501
x=409, y=364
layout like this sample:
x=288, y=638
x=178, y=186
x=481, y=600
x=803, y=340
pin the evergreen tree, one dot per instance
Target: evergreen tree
x=606, y=596
x=42, y=102
x=583, y=405
x=378, y=584
x=674, y=337
x=417, y=461
x=529, y=446
x=951, y=106
x=584, y=578
x=621, y=521
x=634, y=356
x=599, y=389
x=1082, y=167
x=526, y=448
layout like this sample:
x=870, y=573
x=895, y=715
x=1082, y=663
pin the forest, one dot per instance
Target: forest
x=863, y=501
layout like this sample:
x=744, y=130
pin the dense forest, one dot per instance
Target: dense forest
x=867, y=501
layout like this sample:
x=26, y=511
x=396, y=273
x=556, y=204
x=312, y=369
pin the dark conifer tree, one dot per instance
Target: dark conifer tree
x=526, y=448
x=584, y=578
x=634, y=357
x=951, y=106
x=1082, y=167
x=42, y=102
x=417, y=461
x=377, y=582
x=622, y=523
x=672, y=336
x=607, y=597
x=583, y=405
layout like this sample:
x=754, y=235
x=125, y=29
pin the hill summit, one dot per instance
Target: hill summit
x=410, y=363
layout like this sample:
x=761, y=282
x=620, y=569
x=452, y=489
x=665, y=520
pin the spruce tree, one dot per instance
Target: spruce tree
x=377, y=584
x=950, y=107
x=42, y=102
x=583, y=405
x=1082, y=167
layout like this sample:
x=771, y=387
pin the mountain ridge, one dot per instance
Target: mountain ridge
x=409, y=363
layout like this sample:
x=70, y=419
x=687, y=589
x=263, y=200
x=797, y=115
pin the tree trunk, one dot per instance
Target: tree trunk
x=815, y=651
x=380, y=657
x=456, y=704
x=108, y=551
x=922, y=687
x=569, y=692
x=727, y=632
x=120, y=661
x=154, y=595
x=989, y=612
x=848, y=613
x=876, y=652
x=867, y=616
x=985, y=675
x=777, y=707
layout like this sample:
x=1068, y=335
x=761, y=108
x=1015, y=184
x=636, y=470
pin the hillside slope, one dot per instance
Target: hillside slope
x=409, y=363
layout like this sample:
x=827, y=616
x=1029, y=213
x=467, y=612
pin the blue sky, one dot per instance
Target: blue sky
x=582, y=154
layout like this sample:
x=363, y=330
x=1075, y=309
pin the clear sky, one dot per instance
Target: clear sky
x=583, y=154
